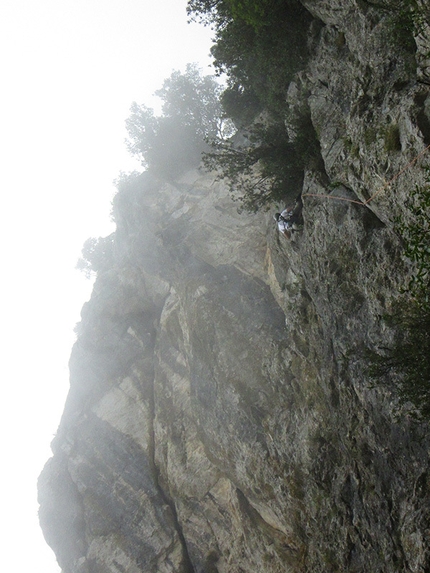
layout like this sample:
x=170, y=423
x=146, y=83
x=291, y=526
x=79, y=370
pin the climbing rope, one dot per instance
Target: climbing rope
x=380, y=190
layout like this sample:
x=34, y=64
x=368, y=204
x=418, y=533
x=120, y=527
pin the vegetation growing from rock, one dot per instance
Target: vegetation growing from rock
x=259, y=47
x=97, y=255
x=409, y=356
x=266, y=166
x=408, y=18
x=257, y=44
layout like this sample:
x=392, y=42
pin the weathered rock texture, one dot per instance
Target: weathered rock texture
x=219, y=417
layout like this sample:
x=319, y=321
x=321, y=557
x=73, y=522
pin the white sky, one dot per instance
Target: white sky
x=69, y=70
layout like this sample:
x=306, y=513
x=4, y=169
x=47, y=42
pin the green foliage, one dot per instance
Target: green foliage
x=194, y=100
x=408, y=359
x=219, y=12
x=259, y=45
x=209, y=12
x=263, y=61
x=142, y=127
x=126, y=180
x=173, y=142
x=260, y=170
x=370, y=135
x=253, y=12
x=97, y=255
x=416, y=235
x=264, y=166
x=240, y=106
x=392, y=138
x=408, y=19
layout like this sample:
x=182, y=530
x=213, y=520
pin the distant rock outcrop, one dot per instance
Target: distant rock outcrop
x=219, y=417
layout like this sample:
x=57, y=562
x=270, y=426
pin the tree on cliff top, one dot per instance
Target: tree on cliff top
x=97, y=255
x=259, y=46
x=253, y=12
x=191, y=113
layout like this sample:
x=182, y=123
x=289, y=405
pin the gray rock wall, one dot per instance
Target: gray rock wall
x=220, y=418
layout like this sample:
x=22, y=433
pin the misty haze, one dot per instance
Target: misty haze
x=249, y=385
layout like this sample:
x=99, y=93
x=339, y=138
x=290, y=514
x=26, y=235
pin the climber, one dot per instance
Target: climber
x=290, y=219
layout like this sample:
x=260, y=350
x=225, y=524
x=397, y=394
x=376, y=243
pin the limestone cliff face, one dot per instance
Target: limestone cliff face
x=219, y=418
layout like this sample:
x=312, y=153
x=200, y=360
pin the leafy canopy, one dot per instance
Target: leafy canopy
x=220, y=12
x=259, y=46
x=191, y=113
x=97, y=255
x=261, y=168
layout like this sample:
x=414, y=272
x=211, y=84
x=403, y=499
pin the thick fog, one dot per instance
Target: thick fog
x=70, y=71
